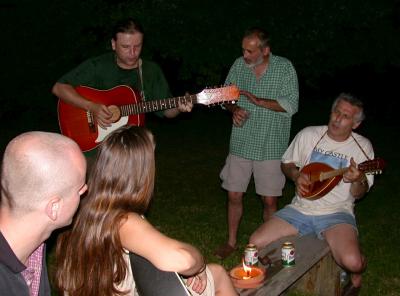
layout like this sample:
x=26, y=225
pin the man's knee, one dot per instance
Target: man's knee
x=260, y=238
x=257, y=240
x=354, y=262
x=270, y=201
x=235, y=197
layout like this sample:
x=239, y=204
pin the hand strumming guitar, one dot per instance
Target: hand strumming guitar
x=102, y=114
x=303, y=184
x=301, y=180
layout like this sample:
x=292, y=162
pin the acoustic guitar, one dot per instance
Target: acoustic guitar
x=324, y=178
x=127, y=108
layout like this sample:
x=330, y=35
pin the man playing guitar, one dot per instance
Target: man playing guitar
x=123, y=66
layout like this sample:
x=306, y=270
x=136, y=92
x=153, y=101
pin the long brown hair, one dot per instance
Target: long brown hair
x=90, y=255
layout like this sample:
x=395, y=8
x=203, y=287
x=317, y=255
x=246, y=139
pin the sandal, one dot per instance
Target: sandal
x=224, y=251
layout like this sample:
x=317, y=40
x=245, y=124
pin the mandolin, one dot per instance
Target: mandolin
x=324, y=178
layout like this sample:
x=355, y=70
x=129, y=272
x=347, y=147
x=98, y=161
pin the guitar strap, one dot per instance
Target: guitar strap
x=359, y=146
x=323, y=135
x=141, y=80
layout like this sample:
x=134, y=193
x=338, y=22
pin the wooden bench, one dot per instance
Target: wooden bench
x=315, y=272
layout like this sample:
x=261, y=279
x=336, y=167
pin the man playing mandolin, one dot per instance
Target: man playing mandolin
x=329, y=214
x=123, y=66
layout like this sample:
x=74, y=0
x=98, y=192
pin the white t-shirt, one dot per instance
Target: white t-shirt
x=304, y=150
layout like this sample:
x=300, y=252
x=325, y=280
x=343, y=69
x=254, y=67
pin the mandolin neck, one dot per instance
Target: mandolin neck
x=331, y=174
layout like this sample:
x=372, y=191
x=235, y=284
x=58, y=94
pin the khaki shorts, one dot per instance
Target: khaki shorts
x=268, y=176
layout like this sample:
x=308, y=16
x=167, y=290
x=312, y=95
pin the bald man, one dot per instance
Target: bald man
x=42, y=179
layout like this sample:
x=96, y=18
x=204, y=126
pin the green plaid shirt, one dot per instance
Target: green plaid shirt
x=265, y=135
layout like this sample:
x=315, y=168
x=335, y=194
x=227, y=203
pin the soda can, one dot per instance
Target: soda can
x=288, y=254
x=250, y=255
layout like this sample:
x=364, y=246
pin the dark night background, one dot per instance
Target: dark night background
x=336, y=46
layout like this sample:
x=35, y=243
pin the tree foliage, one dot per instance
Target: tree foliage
x=197, y=41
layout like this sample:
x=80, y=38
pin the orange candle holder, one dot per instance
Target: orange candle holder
x=247, y=279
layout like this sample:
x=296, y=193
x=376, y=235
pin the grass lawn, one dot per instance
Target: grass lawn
x=190, y=205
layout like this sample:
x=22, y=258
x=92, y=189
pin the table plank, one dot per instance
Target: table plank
x=309, y=250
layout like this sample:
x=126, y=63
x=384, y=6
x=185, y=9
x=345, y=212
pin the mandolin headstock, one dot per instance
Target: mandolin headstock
x=374, y=166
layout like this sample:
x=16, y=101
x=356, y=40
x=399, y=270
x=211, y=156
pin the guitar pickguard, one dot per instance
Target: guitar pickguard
x=102, y=132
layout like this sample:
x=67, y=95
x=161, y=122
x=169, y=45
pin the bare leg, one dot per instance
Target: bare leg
x=235, y=212
x=343, y=241
x=270, y=231
x=270, y=206
x=222, y=282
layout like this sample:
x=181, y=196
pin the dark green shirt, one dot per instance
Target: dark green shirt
x=102, y=72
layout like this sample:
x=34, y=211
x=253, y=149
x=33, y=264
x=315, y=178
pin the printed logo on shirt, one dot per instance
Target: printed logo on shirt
x=333, y=159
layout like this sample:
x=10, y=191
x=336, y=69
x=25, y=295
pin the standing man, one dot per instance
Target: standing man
x=330, y=217
x=122, y=66
x=261, y=128
x=42, y=179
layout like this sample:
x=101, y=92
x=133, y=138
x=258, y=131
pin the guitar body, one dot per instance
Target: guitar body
x=319, y=188
x=81, y=126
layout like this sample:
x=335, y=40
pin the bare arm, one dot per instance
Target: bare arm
x=139, y=236
x=263, y=102
x=68, y=94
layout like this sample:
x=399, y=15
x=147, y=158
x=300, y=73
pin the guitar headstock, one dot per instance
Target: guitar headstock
x=374, y=166
x=226, y=94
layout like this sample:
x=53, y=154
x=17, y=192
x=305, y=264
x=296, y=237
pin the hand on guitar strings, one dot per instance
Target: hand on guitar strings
x=198, y=282
x=353, y=174
x=185, y=106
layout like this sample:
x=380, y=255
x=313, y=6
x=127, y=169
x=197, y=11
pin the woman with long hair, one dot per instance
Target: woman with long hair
x=92, y=257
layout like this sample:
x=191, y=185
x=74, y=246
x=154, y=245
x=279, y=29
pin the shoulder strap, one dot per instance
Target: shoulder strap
x=359, y=146
x=142, y=94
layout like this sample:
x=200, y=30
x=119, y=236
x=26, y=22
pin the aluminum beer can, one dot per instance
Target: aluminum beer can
x=288, y=254
x=250, y=255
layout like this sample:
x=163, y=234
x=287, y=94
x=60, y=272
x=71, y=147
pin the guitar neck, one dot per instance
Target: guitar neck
x=156, y=105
